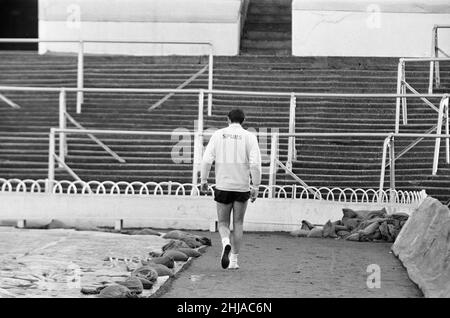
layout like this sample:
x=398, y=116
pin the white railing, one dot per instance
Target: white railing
x=178, y=189
x=274, y=163
x=198, y=139
x=80, y=61
x=435, y=50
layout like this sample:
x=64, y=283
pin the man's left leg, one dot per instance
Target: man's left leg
x=239, y=209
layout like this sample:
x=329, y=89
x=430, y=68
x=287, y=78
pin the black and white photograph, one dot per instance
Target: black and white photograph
x=225, y=156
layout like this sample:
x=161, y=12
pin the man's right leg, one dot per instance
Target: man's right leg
x=223, y=217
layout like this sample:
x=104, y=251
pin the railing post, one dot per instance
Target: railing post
x=383, y=167
x=291, y=140
x=62, y=125
x=198, y=139
x=433, y=54
x=399, y=90
x=436, y=54
x=447, y=130
x=80, y=76
x=210, y=82
x=403, y=91
x=51, y=162
x=437, y=145
x=273, y=164
x=392, y=169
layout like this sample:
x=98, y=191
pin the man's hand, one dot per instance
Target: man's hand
x=254, y=193
x=204, y=188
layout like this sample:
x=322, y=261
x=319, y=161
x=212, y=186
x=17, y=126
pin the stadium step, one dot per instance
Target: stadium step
x=267, y=28
x=332, y=162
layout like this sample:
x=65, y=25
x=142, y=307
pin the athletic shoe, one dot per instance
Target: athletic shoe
x=225, y=260
x=233, y=265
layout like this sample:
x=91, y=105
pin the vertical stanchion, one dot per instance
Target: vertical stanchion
x=210, y=82
x=198, y=139
x=397, y=101
x=392, y=169
x=291, y=140
x=383, y=167
x=436, y=54
x=447, y=131
x=437, y=145
x=62, y=125
x=403, y=91
x=273, y=164
x=80, y=76
x=51, y=162
x=433, y=53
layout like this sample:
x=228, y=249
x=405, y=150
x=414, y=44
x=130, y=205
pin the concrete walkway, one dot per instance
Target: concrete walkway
x=281, y=266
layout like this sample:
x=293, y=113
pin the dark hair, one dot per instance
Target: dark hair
x=236, y=116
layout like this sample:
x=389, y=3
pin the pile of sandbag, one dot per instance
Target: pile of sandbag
x=144, y=272
x=357, y=225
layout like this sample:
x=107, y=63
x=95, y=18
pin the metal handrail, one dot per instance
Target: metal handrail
x=434, y=65
x=389, y=140
x=80, y=64
x=214, y=91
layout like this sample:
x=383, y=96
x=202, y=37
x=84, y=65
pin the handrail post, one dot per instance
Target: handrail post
x=436, y=54
x=437, y=145
x=392, y=169
x=62, y=125
x=433, y=54
x=383, y=167
x=210, y=82
x=398, y=99
x=273, y=164
x=403, y=91
x=198, y=139
x=291, y=140
x=447, y=131
x=80, y=76
x=51, y=162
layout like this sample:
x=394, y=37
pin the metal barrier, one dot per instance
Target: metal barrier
x=80, y=63
x=198, y=137
x=435, y=50
x=170, y=188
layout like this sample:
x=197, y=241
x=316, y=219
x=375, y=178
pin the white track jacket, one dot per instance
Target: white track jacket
x=236, y=154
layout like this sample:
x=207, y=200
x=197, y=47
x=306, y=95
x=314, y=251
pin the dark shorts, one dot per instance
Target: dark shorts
x=227, y=197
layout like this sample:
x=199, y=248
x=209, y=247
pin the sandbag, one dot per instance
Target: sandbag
x=56, y=224
x=329, y=230
x=299, y=233
x=174, y=244
x=343, y=234
x=115, y=291
x=133, y=284
x=176, y=255
x=370, y=229
x=164, y=260
x=146, y=272
x=188, y=238
x=353, y=237
x=146, y=284
x=315, y=232
x=306, y=225
x=351, y=224
x=161, y=269
x=141, y=232
x=190, y=252
x=349, y=213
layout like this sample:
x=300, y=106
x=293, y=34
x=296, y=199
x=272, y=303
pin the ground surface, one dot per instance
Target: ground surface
x=40, y=263
x=278, y=265
x=57, y=263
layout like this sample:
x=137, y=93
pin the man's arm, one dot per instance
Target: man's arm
x=208, y=158
x=255, y=166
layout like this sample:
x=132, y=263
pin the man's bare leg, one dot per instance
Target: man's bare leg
x=239, y=209
x=223, y=217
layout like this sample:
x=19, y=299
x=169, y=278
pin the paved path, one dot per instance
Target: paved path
x=278, y=265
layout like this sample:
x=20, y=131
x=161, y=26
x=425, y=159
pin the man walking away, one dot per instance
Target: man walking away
x=237, y=157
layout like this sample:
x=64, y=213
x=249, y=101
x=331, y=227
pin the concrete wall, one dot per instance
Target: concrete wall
x=215, y=21
x=368, y=28
x=169, y=211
